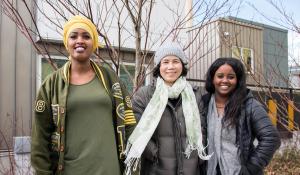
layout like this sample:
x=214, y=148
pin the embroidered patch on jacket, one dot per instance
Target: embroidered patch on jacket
x=40, y=106
x=120, y=130
x=120, y=111
x=128, y=101
x=116, y=90
x=129, y=117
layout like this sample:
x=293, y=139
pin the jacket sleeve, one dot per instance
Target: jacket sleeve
x=130, y=118
x=140, y=102
x=267, y=136
x=41, y=133
x=198, y=94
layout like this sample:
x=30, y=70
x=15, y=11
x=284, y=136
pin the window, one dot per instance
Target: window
x=246, y=56
x=127, y=79
x=44, y=69
x=47, y=68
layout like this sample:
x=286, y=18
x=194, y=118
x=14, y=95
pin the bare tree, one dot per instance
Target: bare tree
x=133, y=21
x=135, y=10
x=286, y=20
x=124, y=14
x=124, y=23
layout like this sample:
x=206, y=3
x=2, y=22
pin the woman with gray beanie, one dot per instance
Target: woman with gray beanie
x=168, y=137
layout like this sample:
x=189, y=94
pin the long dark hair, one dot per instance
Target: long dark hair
x=238, y=95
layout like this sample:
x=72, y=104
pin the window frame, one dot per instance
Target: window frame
x=39, y=70
x=147, y=79
x=241, y=51
x=59, y=57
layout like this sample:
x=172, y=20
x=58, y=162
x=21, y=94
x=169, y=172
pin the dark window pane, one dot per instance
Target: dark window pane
x=127, y=79
x=47, y=68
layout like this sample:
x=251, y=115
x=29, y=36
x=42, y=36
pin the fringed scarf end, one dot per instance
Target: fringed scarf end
x=189, y=149
x=131, y=165
x=203, y=155
x=126, y=151
x=200, y=150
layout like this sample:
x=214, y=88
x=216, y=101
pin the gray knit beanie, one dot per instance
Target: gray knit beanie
x=170, y=48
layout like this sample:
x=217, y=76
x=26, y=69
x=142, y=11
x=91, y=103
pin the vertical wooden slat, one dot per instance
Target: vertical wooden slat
x=273, y=111
x=291, y=115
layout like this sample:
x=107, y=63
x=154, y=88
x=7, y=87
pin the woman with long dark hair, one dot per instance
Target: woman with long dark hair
x=233, y=120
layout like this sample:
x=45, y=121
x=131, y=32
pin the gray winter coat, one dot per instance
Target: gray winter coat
x=164, y=154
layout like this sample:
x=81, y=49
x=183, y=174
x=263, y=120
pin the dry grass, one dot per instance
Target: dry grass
x=285, y=163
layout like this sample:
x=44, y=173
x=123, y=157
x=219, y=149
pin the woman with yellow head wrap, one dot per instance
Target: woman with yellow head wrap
x=79, y=22
x=82, y=112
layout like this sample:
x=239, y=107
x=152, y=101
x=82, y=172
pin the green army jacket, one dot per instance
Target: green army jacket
x=48, y=137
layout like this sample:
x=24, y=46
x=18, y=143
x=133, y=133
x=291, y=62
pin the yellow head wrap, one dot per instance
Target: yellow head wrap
x=83, y=23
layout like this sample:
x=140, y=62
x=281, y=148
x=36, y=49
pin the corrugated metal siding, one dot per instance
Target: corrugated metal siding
x=246, y=36
x=213, y=37
x=16, y=74
x=275, y=55
x=204, y=50
x=7, y=81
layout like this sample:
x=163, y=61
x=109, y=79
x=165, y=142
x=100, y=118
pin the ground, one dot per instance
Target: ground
x=286, y=160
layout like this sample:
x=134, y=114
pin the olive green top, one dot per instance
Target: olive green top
x=90, y=147
x=49, y=120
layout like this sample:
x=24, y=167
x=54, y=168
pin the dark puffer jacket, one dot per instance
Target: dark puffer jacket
x=254, y=123
x=164, y=154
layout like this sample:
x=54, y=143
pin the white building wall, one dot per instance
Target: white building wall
x=295, y=81
x=294, y=77
x=162, y=21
